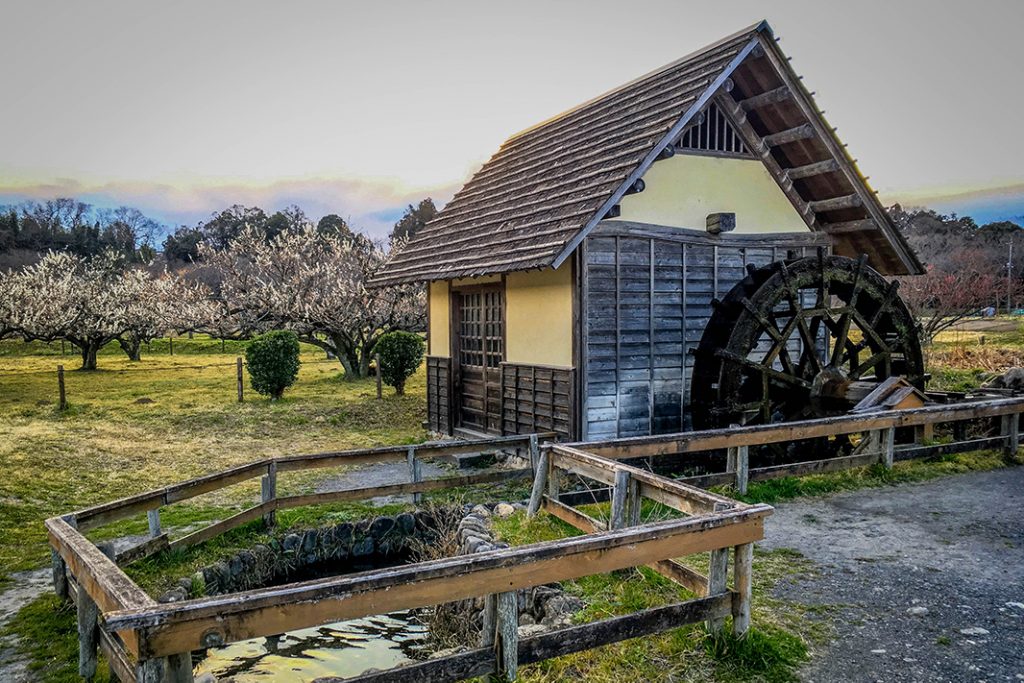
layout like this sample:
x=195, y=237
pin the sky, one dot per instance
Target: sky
x=359, y=108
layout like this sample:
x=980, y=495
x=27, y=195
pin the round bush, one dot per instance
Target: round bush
x=273, y=362
x=400, y=354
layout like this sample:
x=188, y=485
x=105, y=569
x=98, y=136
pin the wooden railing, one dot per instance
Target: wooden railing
x=146, y=641
x=877, y=445
x=94, y=579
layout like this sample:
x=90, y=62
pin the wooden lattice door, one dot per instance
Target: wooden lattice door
x=480, y=346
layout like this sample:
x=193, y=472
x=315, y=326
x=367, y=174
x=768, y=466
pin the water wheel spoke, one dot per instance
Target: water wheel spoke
x=871, y=362
x=764, y=369
x=771, y=327
x=842, y=334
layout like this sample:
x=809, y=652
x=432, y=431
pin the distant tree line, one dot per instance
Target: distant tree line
x=69, y=225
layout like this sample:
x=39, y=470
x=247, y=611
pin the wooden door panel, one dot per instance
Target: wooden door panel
x=480, y=348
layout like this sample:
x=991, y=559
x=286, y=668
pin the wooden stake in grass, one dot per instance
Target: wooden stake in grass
x=170, y=344
x=380, y=388
x=62, y=403
x=238, y=373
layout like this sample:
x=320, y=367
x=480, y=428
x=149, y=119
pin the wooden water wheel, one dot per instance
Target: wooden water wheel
x=802, y=339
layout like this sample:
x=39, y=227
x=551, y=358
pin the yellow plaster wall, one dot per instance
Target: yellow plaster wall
x=439, y=335
x=538, y=306
x=681, y=191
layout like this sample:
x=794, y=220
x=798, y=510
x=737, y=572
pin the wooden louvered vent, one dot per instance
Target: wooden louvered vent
x=714, y=135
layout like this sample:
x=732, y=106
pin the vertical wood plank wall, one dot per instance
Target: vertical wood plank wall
x=648, y=299
x=537, y=398
x=439, y=394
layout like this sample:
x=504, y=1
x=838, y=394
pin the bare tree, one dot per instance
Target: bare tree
x=966, y=283
x=315, y=285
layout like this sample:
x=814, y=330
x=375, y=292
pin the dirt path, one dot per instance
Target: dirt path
x=927, y=579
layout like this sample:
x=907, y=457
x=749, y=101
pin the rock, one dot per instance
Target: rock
x=504, y=510
x=974, y=631
x=143, y=400
x=1011, y=379
x=186, y=583
x=406, y=523
x=917, y=611
x=382, y=526
x=363, y=547
x=878, y=652
x=205, y=678
x=481, y=511
x=309, y=541
x=1016, y=605
x=561, y=605
x=531, y=630
x=291, y=542
x=176, y=594
x=343, y=534
x=526, y=619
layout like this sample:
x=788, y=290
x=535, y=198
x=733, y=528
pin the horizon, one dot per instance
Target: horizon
x=360, y=111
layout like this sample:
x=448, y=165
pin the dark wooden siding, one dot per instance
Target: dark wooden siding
x=439, y=394
x=647, y=298
x=537, y=398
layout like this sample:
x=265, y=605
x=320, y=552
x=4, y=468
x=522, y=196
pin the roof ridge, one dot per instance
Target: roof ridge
x=761, y=26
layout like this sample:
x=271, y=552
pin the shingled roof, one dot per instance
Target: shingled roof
x=547, y=187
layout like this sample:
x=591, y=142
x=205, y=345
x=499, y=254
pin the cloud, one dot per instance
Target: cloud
x=371, y=205
x=987, y=205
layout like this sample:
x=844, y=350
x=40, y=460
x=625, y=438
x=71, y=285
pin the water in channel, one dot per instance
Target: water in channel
x=345, y=648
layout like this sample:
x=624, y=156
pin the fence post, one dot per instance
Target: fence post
x=490, y=620
x=170, y=341
x=268, y=492
x=60, y=574
x=62, y=403
x=540, y=480
x=620, y=496
x=742, y=468
x=63, y=352
x=534, y=452
x=743, y=562
x=415, y=473
x=239, y=380
x=179, y=668
x=153, y=517
x=1011, y=430
x=380, y=387
x=150, y=671
x=887, y=440
x=88, y=628
x=718, y=574
x=506, y=642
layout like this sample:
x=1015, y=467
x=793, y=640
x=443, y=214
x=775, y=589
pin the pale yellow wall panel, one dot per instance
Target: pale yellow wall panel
x=681, y=191
x=440, y=329
x=539, y=310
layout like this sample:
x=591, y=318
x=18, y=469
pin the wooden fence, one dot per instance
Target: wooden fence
x=146, y=641
x=878, y=443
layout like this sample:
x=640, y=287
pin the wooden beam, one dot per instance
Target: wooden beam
x=713, y=439
x=842, y=227
x=774, y=96
x=817, y=168
x=97, y=575
x=179, y=627
x=850, y=201
x=784, y=137
x=557, y=643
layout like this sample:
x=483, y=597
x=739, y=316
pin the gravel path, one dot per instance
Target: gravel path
x=927, y=579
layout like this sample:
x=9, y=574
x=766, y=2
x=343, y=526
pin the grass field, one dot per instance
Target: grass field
x=131, y=427
x=135, y=426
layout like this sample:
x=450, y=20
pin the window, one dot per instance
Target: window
x=714, y=135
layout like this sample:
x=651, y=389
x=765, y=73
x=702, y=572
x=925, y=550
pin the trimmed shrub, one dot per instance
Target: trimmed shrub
x=400, y=354
x=273, y=362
